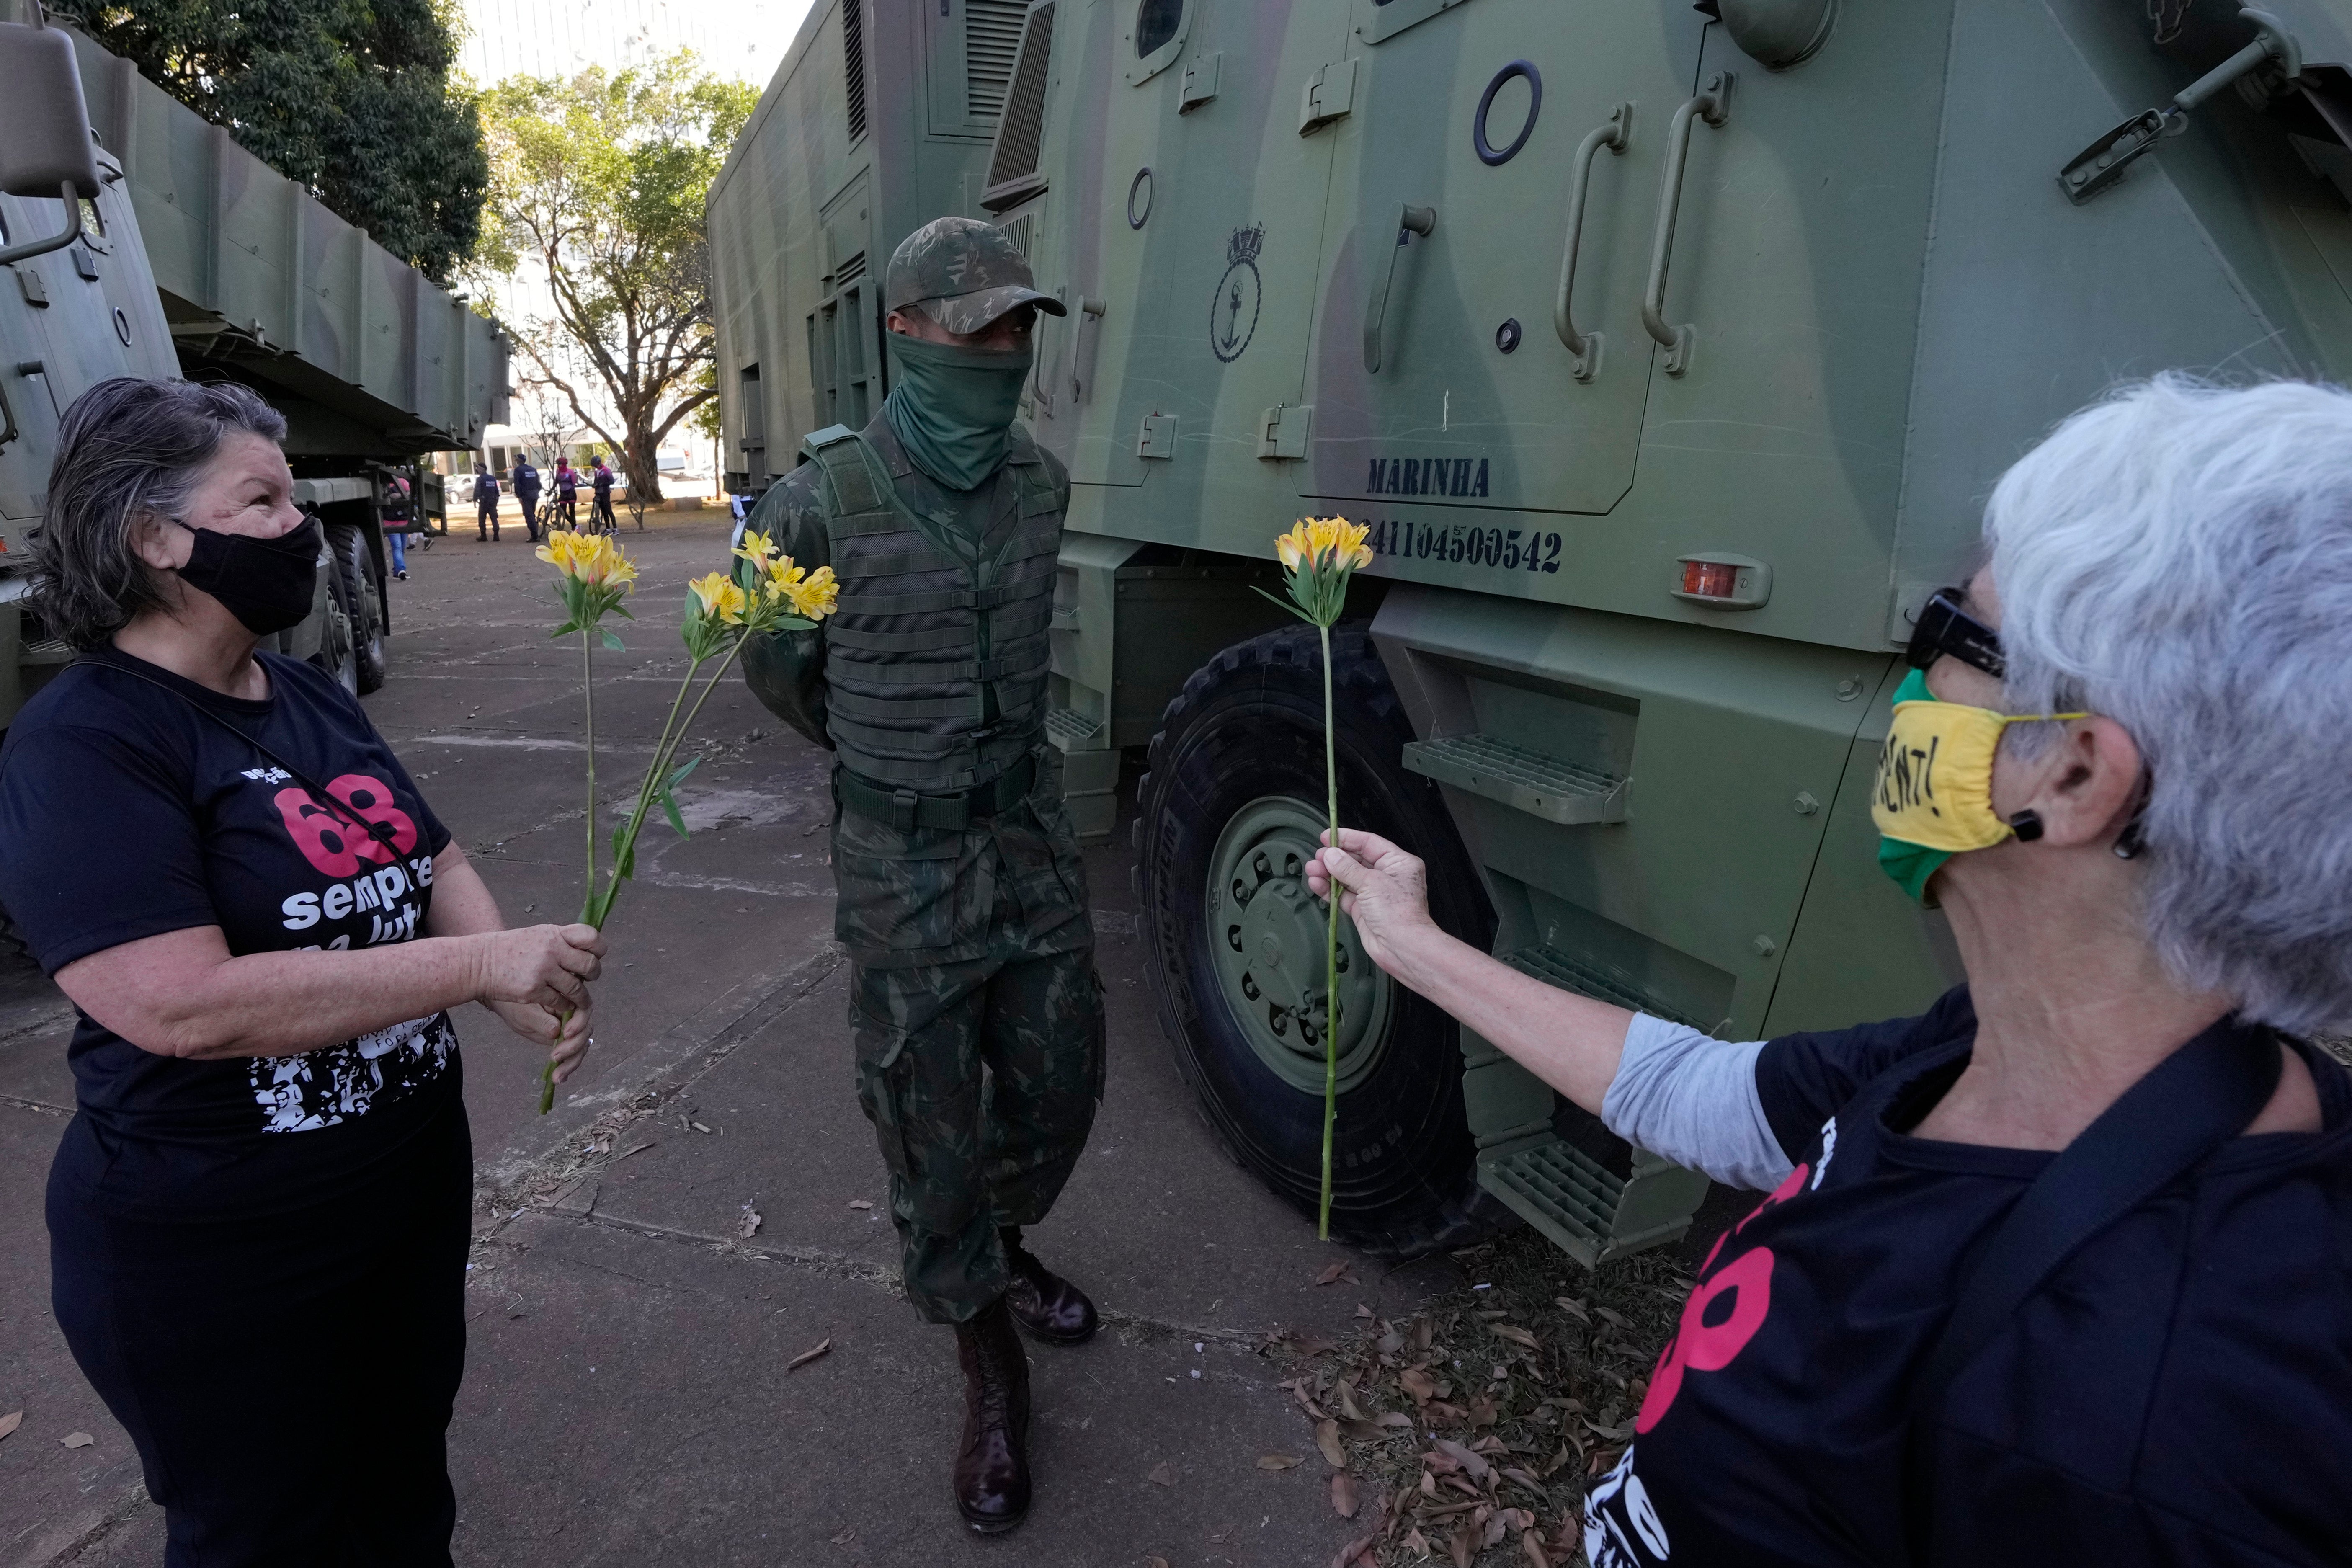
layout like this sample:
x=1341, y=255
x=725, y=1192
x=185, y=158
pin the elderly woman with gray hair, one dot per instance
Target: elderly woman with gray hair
x=258, y=1216
x=2061, y=1271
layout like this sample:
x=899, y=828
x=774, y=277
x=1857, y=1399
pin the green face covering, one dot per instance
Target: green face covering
x=952, y=407
x=1912, y=864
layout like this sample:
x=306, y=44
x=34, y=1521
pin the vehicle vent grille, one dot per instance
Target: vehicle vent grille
x=1018, y=229
x=853, y=62
x=991, y=39
x=849, y=271
x=1013, y=174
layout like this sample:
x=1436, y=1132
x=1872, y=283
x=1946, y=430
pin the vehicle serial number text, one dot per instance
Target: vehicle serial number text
x=1510, y=549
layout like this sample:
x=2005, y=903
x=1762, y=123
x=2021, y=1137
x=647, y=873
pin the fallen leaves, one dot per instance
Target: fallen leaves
x=1344, y=1500
x=1473, y=1463
x=10, y=1422
x=1327, y=1438
x=847, y=1535
x=1155, y=1563
x=861, y=1203
x=749, y=1225
x=1163, y=1474
x=1518, y=1336
x=1336, y=1273
x=810, y=1355
x=1278, y=1462
x=1419, y=1384
x=77, y=1440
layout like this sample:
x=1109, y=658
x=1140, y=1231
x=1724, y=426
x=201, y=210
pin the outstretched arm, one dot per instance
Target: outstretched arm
x=1572, y=1042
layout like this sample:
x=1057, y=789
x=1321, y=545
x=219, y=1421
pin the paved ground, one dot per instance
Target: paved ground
x=626, y=1397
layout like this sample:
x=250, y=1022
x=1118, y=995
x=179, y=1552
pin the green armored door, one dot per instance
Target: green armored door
x=1479, y=342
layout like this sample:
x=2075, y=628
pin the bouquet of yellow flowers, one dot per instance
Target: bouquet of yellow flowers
x=722, y=613
x=1319, y=555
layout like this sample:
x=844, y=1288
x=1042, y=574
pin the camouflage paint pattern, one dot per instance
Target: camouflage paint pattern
x=963, y=274
x=972, y=1150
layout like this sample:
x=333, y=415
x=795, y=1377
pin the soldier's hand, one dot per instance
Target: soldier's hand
x=1383, y=889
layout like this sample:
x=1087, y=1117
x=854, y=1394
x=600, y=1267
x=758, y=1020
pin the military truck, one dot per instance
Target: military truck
x=1667, y=352
x=177, y=252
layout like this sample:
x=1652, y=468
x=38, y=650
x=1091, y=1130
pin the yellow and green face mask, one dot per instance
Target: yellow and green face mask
x=1934, y=795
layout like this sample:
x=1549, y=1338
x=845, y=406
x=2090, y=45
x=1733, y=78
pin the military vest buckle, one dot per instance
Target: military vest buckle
x=903, y=805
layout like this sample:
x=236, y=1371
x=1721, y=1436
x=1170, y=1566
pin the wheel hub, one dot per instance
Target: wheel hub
x=1268, y=934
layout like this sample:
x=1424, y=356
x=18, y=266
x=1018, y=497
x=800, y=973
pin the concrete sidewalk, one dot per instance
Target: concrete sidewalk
x=627, y=1396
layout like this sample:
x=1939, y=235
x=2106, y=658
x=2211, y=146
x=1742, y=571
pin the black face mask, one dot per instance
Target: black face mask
x=267, y=584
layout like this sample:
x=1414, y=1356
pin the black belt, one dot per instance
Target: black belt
x=905, y=810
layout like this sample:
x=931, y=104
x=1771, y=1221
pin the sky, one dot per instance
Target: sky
x=743, y=39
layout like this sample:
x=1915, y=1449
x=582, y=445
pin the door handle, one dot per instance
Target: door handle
x=1714, y=106
x=1082, y=347
x=1585, y=346
x=1410, y=220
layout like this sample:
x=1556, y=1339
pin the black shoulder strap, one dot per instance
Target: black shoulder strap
x=2193, y=1103
x=380, y=831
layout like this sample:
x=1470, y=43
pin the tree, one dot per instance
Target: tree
x=350, y=98
x=597, y=191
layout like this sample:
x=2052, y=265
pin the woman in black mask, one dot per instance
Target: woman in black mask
x=258, y=1215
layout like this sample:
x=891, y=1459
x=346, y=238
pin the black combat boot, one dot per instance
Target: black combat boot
x=992, y=1469
x=1049, y=1308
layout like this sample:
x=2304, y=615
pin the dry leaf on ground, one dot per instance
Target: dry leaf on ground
x=1536, y=1556
x=1517, y=1336
x=1343, y=1495
x=1356, y=1552
x=1464, y=1544
x=749, y=1225
x=1327, y=1438
x=1278, y=1462
x=845, y=1537
x=1163, y=1474
x=1333, y=1273
x=10, y=1422
x=1155, y=1563
x=1476, y=1465
x=861, y=1203
x=809, y=1354
x=1419, y=1384
x=78, y=1440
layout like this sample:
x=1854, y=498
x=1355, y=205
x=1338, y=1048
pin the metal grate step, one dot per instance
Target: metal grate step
x=1533, y=782
x=1070, y=729
x=55, y=650
x=1587, y=978
x=1561, y=1193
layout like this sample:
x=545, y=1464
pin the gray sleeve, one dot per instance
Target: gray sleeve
x=1693, y=1099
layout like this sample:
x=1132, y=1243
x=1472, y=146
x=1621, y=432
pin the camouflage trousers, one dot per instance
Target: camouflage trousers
x=980, y=1080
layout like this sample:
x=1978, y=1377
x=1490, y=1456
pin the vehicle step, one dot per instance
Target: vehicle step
x=55, y=650
x=1587, y=1212
x=1070, y=729
x=1587, y=977
x=1534, y=782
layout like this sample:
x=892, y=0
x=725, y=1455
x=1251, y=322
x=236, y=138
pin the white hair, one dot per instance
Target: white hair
x=2178, y=557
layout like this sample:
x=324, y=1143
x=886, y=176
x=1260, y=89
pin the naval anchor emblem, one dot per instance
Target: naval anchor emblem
x=1233, y=310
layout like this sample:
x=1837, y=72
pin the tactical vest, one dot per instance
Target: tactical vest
x=935, y=665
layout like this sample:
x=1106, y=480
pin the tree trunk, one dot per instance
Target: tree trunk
x=641, y=462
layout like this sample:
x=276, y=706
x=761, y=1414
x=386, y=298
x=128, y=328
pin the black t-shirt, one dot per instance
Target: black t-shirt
x=2179, y=1391
x=125, y=813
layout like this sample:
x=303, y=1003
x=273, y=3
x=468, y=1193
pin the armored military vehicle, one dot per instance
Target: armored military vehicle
x=1667, y=351
x=141, y=240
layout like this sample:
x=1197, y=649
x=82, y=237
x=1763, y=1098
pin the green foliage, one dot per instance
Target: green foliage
x=350, y=98
x=598, y=188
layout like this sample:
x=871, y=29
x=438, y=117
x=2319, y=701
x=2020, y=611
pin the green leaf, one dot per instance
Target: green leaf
x=565, y=630
x=670, y=809
x=615, y=642
x=1293, y=609
x=679, y=774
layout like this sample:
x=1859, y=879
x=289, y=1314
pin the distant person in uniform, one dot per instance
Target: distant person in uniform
x=526, y=489
x=600, y=517
x=400, y=515
x=567, y=494
x=486, y=504
x=977, y=1014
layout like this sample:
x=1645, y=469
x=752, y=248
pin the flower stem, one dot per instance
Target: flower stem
x=588, y=692
x=1330, y=955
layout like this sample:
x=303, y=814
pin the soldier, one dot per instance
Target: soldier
x=962, y=897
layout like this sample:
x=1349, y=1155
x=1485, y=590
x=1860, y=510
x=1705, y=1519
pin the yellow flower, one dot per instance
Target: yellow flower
x=816, y=596
x=782, y=573
x=721, y=597
x=557, y=551
x=757, y=549
x=1293, y=547
x=601, y=563
x=1336, y=542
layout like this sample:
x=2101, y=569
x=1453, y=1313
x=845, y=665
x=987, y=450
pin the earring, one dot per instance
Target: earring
x=2027, y=825
x=2131, y=841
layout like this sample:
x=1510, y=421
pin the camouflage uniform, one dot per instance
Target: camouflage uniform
x=969, y=944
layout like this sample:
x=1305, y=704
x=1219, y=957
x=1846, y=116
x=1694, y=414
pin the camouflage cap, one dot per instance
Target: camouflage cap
x=963, y=274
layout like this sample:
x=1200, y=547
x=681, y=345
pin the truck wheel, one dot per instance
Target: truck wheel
x=1227, y=816
x=338, y=654
x=357, y=568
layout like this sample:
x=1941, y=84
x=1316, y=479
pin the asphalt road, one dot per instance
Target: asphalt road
x=628, y=1396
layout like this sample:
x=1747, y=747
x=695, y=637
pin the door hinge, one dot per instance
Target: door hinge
x=28, y=278
x=1331, y=94
x=1282, y=431
x=1157, y=437
x=1200, y=82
